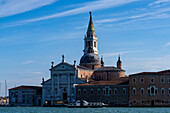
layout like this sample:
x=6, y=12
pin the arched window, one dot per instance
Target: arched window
x=152, y=90
x=91, y=91
x=142, y=91
x=79, y=92
x=84, y=91
x=169, y=91
x=134, y=91
x=124, y=91
x=98, y=91
x=162, y=91
x=115, y=91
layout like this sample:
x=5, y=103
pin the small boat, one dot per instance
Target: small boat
x=85, y=104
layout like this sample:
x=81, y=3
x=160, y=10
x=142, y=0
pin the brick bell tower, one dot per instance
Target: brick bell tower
x=90, y=40
x=90, y=58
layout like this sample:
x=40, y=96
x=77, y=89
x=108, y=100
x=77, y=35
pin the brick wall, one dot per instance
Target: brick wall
x=152, y=95
x=119, y=99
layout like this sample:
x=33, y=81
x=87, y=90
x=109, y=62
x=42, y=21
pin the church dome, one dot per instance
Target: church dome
x=90, y=58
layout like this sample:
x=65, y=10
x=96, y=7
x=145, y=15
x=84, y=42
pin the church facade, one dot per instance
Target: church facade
x=61, y=86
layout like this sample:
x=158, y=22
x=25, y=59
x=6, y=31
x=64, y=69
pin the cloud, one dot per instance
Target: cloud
x=91, y=6
x=28, y=62
x=148, y=64
x=156, y=14
x=13, y=7
x=167, y=44
x=158, y=2
x=117, y=53
x=36, y=73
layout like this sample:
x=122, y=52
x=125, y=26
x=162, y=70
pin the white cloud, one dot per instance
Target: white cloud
x=158, y=2
x=91, y=6
x=28, y=62
x=148, y=64
x=13, y=7
x=117, y=53
x=167, y=44
x=36, y=73
x=156, y=14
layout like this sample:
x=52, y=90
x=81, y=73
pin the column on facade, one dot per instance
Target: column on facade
x=52, y=88
x=68, y=92
x=58, y=86
x=43, y=96
x=75, y=82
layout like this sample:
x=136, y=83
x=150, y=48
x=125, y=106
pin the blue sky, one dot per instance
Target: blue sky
x=35, y=32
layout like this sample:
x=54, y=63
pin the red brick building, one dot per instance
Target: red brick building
x=149, y=89
x=25, y=96
x=114, y=93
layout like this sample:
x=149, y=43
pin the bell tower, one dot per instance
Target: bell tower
x=90, y=40
x=90, y=58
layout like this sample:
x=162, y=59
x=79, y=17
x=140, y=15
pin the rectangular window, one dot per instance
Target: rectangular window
x=134, y=80
x=152, y=80
x=91, y=91
x=115, y=91
x=84, y=91
x=162, y=80
x=148, y=91
x=142, y=91
x=98, y=91
x=168, y=80
x=156, y=91
x=110, y=91
x=142, y=80
x=169, y=91
x=134, y=91
x=115, y=102
x=124, y=102
x=163, y=101
x=124, y=91
x=95, y=44
x=79, y=91
x=162, y=91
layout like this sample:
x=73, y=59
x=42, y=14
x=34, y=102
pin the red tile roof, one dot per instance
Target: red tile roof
x=108, y=68
x=121, y=81
x=26, y=87
x=164, y=71
x=150, y=73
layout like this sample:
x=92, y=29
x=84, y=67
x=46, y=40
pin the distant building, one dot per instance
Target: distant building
x=60, y=87
x=149, y=89
x=114, y=93
x=25, y=96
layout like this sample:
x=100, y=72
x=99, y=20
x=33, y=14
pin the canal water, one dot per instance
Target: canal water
x=82, y=110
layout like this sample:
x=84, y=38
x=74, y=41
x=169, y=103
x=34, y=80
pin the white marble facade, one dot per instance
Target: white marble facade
x=61, y=84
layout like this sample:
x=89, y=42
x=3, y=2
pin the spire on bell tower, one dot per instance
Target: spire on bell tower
x=90, y=38
x=91, y=26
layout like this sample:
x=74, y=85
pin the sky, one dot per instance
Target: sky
x=33, y=33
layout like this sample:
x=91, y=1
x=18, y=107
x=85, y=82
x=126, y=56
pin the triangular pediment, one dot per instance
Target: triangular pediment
x=63, y=66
